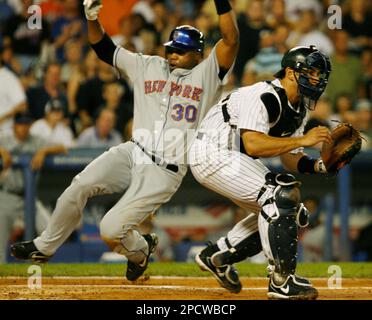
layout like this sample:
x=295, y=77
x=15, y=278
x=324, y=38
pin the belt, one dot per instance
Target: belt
x=160, y=162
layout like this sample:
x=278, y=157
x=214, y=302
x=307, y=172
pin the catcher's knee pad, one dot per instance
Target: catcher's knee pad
x=249, y=247
x=283, y=212
x=284, y=200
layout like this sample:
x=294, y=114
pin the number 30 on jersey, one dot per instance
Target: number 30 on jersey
x=180, y=112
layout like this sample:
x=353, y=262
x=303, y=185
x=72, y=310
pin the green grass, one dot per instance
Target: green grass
x=349, y=270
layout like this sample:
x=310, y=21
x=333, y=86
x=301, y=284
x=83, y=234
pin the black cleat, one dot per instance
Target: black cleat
x=292, y=289
x=135, y=270
x=27, y=251
x=227, y=276
x=297, y=279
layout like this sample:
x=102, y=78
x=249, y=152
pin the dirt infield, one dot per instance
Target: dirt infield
x=163, y=288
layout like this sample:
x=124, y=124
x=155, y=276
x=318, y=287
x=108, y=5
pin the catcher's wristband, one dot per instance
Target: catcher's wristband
x=320, y=166
x=306, y=165
x=223, y=6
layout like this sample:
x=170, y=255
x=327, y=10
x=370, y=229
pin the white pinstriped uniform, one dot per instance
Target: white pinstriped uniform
x=217, y=163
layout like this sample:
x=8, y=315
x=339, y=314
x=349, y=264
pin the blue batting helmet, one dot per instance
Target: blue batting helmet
x=186, y=38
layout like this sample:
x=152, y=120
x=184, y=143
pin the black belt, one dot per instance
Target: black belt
x=155, y=159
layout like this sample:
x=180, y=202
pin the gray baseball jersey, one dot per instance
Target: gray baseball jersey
x=166, y=104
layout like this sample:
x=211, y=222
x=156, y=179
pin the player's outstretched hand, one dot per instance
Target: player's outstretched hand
x=316, y=135
x=92, y=8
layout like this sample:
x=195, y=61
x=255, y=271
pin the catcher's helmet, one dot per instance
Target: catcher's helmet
x=186, y=38
x=304, y=60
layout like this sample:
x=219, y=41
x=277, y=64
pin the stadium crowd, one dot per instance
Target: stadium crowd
x=54, y=64
x=51, y=75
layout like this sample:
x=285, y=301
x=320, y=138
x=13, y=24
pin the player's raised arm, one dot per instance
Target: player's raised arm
x=100, y=42
x=228, y=46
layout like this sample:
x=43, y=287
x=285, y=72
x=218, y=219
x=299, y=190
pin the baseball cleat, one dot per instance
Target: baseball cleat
x=291, y=289
x=227, y=276
x=297, y=279
x=27, y=251
x=135, y=270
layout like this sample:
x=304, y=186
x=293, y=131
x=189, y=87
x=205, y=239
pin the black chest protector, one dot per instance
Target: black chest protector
x=284, y=121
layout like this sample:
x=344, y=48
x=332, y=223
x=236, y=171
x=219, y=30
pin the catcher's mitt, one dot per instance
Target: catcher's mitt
x=347, y=142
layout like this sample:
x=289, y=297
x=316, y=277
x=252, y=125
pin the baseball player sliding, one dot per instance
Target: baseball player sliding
x=261, y=121
x=171, y=96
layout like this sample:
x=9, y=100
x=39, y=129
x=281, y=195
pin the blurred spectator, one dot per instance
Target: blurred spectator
x=344, y=110
x=10, y=60
x=113, y=93
x=126, y=34
x=306, y=33
x=164, y=250
x=320, y=116
x=90, y=94
x=12, y=97
x=281, y=34
x=346, y=72
x=277, y=14
x=52, y=128
x=87, y=71
x=73, y=54
x=149, y=39
x=51, y=87
x=26, y=43
x=144, y=8
x=11, y=180
x=266, y=62
x=366, y=60
x=363, y=121
x=358, y=23
x=363, y=243
x=181, y=8
x=294, y=7
x=207, y=24
x=251, y=23
x=139, y=23
x=161, y=19
x=70, y=25
x=102, y=134
x=6, y=11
